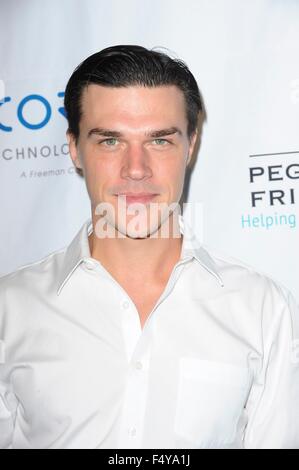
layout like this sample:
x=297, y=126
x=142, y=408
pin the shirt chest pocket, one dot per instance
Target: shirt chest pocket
x=211, y=398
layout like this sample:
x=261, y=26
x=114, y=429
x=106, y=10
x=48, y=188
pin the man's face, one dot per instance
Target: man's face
x=133, y=141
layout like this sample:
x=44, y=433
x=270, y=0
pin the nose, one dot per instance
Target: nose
x=136, y=163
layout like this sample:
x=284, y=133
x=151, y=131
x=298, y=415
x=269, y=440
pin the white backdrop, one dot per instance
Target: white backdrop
x=244, y=55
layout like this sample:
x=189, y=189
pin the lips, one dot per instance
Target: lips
x=143, y=198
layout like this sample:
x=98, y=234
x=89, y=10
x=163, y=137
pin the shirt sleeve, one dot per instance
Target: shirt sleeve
x=7, y=415
x=273, y=403
x=8, y=402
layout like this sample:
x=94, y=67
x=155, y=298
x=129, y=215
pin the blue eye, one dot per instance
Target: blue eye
x=109, y=142
x=161, y=141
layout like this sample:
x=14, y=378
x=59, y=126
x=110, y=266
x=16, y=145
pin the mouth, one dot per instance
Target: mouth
x=143, y=198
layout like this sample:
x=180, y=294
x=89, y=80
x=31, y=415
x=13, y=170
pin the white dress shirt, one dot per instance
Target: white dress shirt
x=215, y=366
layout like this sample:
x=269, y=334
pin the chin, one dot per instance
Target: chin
x=138, y=233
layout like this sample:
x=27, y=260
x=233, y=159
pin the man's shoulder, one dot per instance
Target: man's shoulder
x=34, y=274
x=238, y=274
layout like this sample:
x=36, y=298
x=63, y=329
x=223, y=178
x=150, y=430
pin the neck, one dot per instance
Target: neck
x=140, y=259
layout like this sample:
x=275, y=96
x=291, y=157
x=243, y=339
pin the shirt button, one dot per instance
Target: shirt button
x=132, y=432
x=138, y=365
x=89, y=265
x=126, y=304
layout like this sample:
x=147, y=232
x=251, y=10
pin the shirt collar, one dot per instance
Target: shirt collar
x=78, y=251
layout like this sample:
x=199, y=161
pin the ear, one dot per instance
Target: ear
x=74, y=150
x=193, y=140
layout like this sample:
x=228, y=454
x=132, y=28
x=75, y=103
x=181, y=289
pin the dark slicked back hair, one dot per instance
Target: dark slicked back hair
x=129, y=65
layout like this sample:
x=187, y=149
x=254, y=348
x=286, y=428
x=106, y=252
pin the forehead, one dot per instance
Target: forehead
x=133, y=105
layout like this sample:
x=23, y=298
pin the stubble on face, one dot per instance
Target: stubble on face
x=130, y=158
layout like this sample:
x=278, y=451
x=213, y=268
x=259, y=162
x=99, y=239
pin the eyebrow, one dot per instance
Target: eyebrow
x=100, y=131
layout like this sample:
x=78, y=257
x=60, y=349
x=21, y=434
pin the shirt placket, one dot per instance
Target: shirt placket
x=138, y=348
x=135, y=399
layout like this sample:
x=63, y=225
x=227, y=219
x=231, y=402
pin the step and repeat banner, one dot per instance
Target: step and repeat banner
x=245, y=181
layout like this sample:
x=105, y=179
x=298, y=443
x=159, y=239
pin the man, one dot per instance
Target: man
x=135, y=336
